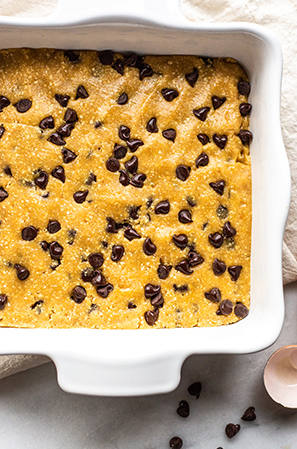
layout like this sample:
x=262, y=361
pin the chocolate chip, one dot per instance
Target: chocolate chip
x=78, y=294
x=151, y=290
x=151, y=316
x=195, y=389
x=207, y=60
x=119, y=151
x=202, y=160
x=217, y=101
x=2, y=130
x=62, y=99
x=180, y=288
x=249, y=414
x=183, y=409
x=245, y=109
x=133, y=212
x=149, y=247
x=3, y=194
x=65, y=129
x=145, y=70
x=117, y=253
x=55, y=250
x=56, y=139
x=234, y=272
x=243, y=87
x=124, y=132
x=91, y=178
x=131, y=234
x=53, y=226
x=22, y=272
x=132, y=165
x=216, y=239
x=44, y=245
x=68, y=155
x=218, y=186
x=169, y=134
x=138, y=180
x=194, y=259
x=96, y=260
x=158, y=300
x=228, y=230
x=111, y=226
x=23, y=105
x=80, y=196
x=192, y=77
x=72, y=55
x=3, y=301
x=131, y=305
x=134, y=144
x=176, y=443
x=185, y=216
x=213, y=295
x=81, y=93
x=97, y=124
x=4, y=102
x=163, y=271
x=105, y=290
x=163, y=207
x=232, y=429
x=201, y=113
x=123, y=98
x=37, y=305
x=191, y=201
x=184, y=267
x=41, y=180
x=245, y=136
x=169, y=94
x=47, y=123
x=203, y=138
x=106, y=57
x=118, y=65
x=29, y=233
x=222, y=212
x=226, y=307
x=112, y=164
x=124, y=178
x=133, y=60
x=98, y=280
x=71, y=236
x=219, y=267
x=45, y=195
x=220, y=141
x=70, y=116
x=241, y=311
x=181, y=240
x=151, y=126
x=7, y=171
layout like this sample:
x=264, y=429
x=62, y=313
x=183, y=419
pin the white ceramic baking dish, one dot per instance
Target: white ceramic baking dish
x=134, y=362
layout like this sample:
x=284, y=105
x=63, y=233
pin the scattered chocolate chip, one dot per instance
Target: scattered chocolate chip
x=217, y=101
x=131, y=234
x=97, y=124
x=145, y=70
x=218, y=186
x=219, y=267
x=195, y=389
x=105, y=290
x=71, y=236
x=138, y=180
x=91, y=178
x=7, y=171
x=29, y=233
x=131, y=305
x=53, y=226
x=72, y=55
x=216, y=239
x=112, y=164
x=37, y=305
x=4, y=102
x=111, y=226
x=124, y=132
x=213, y=295
x=3, y=301
x=118, y=65
x=81, y=93
x=249, y=414
x=182, y=172
x=78, y=294
x=119, y=151
x=245, y=109
x=151, y=290
x=132, y=165
x=65, y=129
x=243, y=87
x=23, y=105
x=134, y=144
x=220, y=141
x=222, y=212
x=202, y=160
x=163, y=271
x=226, y=307
x=44, y=245
x=22, y=272
x=191, y=201
x=185, y=216
x=124, y=178
x=201, y=113
x=133, y=60
x=228, y=230
x=184, y=267
x=70, y=116
x=231, y=430
x=133, y=212
x=203, y=138
x=117, y=253
x=207, y=60
x=68, y=155
x=158, y=300
x=96, y=260
x=183, y=409
x=106, y=57
x=2, y=130
x=98, y=280
x=192, y=77
x=149, y=247
x=176, y=442
x=151, y=316
x=45, y=195
x=245, y=136
x=59, y=173
x=241, y=311
x=151, y=126
x=41, y=180
x=56, y=139
x=123, y=98
x=169, y=94
x=194, y=259
x=181, y=240
x=163, y=207
x=80, y=196
x=62, y=99
x=47, y=123
x=180, y=288
x=55, y=250
x=3, y=194
x=234, y=272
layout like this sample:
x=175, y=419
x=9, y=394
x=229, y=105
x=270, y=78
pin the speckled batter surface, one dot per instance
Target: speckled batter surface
x=57, y=208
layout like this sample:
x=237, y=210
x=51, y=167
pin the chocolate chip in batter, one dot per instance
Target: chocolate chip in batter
x=55, y=250
x=119, y=151
x=195, y=258
x=134, y=144
x=91, y=178
x=133, y=60
x=132, y=165
x=203, y=138
x=87, y=274
x=222, y=212
x=3, y=194
x=191, y=201
x=133, y=212
x=151, y=290
x=98, y=280
x=124, y=178
x=47, y=123
x=219, y=267
x=44, y=245
x=106, y=57
x=111, y=226
x=184, y=267
x=23, y=105
x=56, y=139
x=78, y=294
x=218, y=186
x=228, y=230
x=241, y=311
x=68, y=155
x=105, y=290
x=163, y=271
x=249, y=414
x=231, y=430
x=131, y=305
x=59, y=173
x=65, y=129
x=158, y=300
x=118, y=65
x=220, y=141
x=70, y=116
x=217, y=101
x=151, y=316
x=192, y=77
x=181, y=240
x=243, y=87
x=245, y=136
x=22, y=272
x=216, y=239
x=195, y=389
x=183, y=409
x=72, y=55
x=169, y=94
x=226, y=307
x=4, y=102
x=202, y=160
x=182, y=172
x=7, y=171
x=138, y=180
x=3, y=301
x=123, y=99
x=201, y=113
x=185, y=216
x=80, y=196
x=112, y=164
x=180, y=288
x=124, y=132
x=53, y=226
x=131, y=234
x=169, y=134
x=117, y=253
x=234, y=272
x=62, y=99
x=29, y=233
x=149, y=247
x=213, y=295
x=81, y=92
x=245, y=109
x=96, y=260
x=151, y=126
x=145, y=70
x=41, y=180
x=97, y=124
x=2, y=130
x=163, y=207
x=71, y=233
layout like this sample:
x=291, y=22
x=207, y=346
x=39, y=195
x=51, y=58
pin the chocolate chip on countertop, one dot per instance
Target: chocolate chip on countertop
x=243, y=87
x=163, y=207
x=245, y=136
x=81, y=92
x=70, y=116
x=111, y=226
x=151, y=316
x=241, y=311
x=96, y=260
x=185, y=216
x=3, y=301
x=245, y=109
x=4, y=102
x=163, y=271
x=195, y=389
x=181, y=240
x=104, y=290
x=124, y=132
x=106, y=57
x=169, y=94
x=29, y=233
x=226, y=307
x=118, y=65
x=65, y=129
x=134, y=144
x=216, y=239
x=56, y=139
x=203, y=138
x=80, y=196
x=117, y=253
x=201, y=113
x=138, y=180
x=124, y=178
x=41, y=180
x=217, y=101
x=222, y=212
x=23, y=105
x=184, y=267
x=78, y=294
x=234, y=272
x=183, y=409
x=176, y=443
x=47, y=123
x=119, y=151
x=192, y=77
x=213, y=295
x=98, y=280
x=231, y=430
x=219, y=267
x=228, y=230
x=55, y=250
x=131, y=234
x=22, y=272
x=44, y=245
x=149, y=247
x=132, y=165
x=195, y=259
x=182, y=172
x=249, y=414
x=220, y=141
x=53, y=226
x=151, y=126
x=202, y=160
x=123, y=99
x=151, y=290
x=3, y=194
x=218, y=186
x=145, y=70
x=112, y=164
x=68, y=155
x=62, y=99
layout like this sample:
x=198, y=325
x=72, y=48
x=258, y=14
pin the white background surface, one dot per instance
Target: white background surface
x=35, y=413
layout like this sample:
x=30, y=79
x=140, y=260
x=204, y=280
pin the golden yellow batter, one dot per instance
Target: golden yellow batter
x=125, y=190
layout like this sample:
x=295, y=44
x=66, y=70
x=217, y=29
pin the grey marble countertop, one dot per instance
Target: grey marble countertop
x=35, y=413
